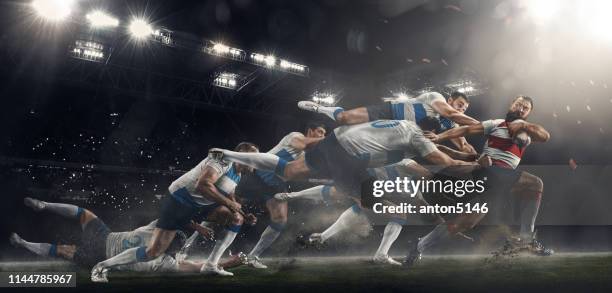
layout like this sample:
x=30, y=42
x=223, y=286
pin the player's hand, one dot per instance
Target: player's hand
x=250, y=219
x=234, y=206
x=430, y=135
x=485, y=161
x=515, y=126
x=206, y=232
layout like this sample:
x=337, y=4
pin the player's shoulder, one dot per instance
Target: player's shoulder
x=430, y=97
x=220, y=168
x=293, y=135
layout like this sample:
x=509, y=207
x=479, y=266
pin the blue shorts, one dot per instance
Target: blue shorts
x=176, y=211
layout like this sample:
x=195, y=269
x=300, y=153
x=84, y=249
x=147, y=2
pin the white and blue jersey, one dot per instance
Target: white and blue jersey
x=285, y=151
x=184, y=188
x=417, y=108
x=384, y=142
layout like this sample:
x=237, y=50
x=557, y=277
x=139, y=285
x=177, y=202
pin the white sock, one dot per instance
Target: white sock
x=42, y=249
x=64, y=209
x=346, y=220
x=439, y=233
x=222, y=245
x=529, y=214
x=128, y=256
x=268, y=237
x=317, y=193
x=392, y=231
x=259, y=161
x=330, y=112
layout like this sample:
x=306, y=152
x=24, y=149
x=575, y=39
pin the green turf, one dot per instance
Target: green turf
x=587, y=273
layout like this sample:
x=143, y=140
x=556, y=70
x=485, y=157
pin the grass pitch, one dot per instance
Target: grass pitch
x=558, y=273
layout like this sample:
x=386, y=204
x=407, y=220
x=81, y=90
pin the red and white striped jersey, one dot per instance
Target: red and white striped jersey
x=499, y=146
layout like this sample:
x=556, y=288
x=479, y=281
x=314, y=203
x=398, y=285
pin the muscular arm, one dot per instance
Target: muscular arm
x=206, y=186
x=460, y=131
x=535, y=131
x=463, y=146
x=458, y=155
x=444, y=109
x=437, y=157
x=302, y=142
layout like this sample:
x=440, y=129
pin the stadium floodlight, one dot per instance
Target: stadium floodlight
x=292, y=67
x=99, y=19
x=270, y=60
x=222, y=50
x=53, y=10
x=258, y=58
x=140, y=28
x=228, y=80
x=163, y=36
x=325, y=99
x=88, y=50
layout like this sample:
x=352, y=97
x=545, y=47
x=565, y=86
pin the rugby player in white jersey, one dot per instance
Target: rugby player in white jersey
x=208, y=189
x=98, y=242
x=260, y=186
x=355, y=214
x=432, y=104
x=505, y=148
x=347, y=153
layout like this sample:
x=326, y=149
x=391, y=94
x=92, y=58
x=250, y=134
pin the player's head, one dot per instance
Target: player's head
x=459, y=101
x=177, y=243
x=520, y=108
x=315, y=129
x=245, y=147
x=430, y=124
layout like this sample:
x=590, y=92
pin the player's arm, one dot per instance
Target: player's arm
x=206, y=232
x=535, y=131
x=445, y=110
x=456, y=167
x=186, y=266
x=415, y=169
x=206, y=186
x=458, y=155
x=457, y=132
x=462, y=145
x=302, y=142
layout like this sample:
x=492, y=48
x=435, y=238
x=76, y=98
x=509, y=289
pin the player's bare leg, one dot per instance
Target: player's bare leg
x=233, y=221
x=278, y=220
x=528, y=190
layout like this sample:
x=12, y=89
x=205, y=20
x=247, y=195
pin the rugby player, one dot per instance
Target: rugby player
x=355, y=214
x=261, y=186
x=431, y=104
x=208, y=188
x=98, y=242
x=345, y=155
x=505, y=152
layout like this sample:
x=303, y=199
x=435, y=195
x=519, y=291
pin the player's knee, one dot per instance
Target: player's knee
x=238, y=219
x=154, y=251
x=342, y=117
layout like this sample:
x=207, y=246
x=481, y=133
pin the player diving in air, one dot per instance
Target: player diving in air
x=345, y=155
x=431, y=104
x=98, y=242
x=505, y=150
x=207, y=188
